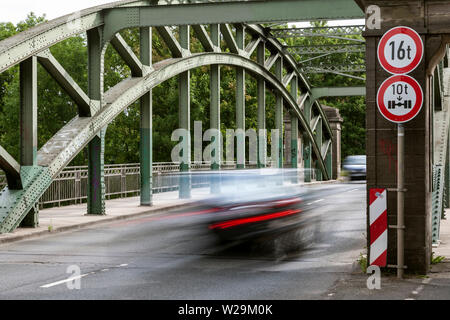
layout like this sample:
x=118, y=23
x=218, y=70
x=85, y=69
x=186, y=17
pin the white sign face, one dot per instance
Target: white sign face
x=400, y=50
x=399, y=98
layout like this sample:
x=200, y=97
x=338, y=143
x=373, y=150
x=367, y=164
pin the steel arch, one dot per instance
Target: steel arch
x=73, y=137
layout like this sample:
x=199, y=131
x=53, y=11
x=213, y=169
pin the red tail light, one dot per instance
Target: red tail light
x=236, y=222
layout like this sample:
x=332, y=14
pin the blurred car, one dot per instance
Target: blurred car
x=355, y=167
x=261, y=208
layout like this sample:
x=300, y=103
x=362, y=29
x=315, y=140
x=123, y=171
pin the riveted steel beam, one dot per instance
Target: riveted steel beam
x=271, y=60
x=229, y=39
x=319, y=92
x=285, y=33
x=214, y=113
x=261, y=105
x=96, y=147
x=229, y=12
x=28, y=112
x=252, y=46
x=325, y=68
x=11, y=168
x=146, y=125
x=26, y=44
x=279, y=109
x=171, y=42
x=72, y=138
x=322, y=49
x=184, y=112
x=63, y=78
x=127, y=54
x=318, y=139
x=294, y=123
x=205, y=39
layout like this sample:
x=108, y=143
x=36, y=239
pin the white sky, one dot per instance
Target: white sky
x=17, y=10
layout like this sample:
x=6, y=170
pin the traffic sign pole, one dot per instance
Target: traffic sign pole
x=399, y=99
x=400, y=199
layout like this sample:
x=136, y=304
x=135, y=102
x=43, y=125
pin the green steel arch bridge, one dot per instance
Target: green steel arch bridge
x=244, y=35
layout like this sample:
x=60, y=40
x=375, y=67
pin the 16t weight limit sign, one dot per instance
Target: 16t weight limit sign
x=399, y=98
x=400, y=50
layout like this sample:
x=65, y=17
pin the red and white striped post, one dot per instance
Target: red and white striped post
x=378, y=227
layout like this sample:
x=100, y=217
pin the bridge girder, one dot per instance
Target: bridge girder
x=98, y=108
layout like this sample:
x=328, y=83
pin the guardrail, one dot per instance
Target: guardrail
x=121, y=180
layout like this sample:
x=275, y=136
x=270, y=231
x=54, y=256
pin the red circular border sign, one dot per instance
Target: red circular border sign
x=414, y=110
x=419, y=52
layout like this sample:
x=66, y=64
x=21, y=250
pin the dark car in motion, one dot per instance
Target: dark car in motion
x=263, y=208
x=355, y=167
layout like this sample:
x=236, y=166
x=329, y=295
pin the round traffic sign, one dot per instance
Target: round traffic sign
x=399, y=98
x=400, y=50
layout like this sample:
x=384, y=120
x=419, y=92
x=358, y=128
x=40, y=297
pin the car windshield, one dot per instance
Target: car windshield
x=358, y=160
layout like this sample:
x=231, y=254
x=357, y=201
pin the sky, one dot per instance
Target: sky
x=17, y=10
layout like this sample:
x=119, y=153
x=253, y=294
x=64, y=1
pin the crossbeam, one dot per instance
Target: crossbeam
x=332, y=48
x=318, y=32
x=62, y=77
x=119, y=18
x=11, y=168
x=127, y=54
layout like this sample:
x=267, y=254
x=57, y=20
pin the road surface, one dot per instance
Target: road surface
x=156, y=257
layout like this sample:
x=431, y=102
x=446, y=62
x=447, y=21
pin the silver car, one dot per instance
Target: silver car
x=355, y=166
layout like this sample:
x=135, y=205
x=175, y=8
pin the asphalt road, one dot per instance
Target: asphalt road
x=157, y=257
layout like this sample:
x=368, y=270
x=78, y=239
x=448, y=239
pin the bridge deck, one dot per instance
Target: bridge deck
x=74, y=216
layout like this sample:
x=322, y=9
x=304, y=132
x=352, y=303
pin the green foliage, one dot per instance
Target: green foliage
x=436, y=259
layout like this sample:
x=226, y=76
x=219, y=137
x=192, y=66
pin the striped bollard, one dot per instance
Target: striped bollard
x=378, y=227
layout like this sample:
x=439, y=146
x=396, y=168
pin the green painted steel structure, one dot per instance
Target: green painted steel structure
x=29, y=177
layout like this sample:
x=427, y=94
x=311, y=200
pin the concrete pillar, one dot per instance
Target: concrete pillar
x=335, y=120
x=430, y=19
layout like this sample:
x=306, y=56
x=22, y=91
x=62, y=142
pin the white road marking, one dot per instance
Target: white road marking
x=77, y=277
x=352, y=190
x=314, y=202
x=420, y=288
x=65, y=280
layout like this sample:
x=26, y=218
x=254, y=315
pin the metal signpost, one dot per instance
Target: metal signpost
x=400, y=99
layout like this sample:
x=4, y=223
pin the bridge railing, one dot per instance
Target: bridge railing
x=121, y=180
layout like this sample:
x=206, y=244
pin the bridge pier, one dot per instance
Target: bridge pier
x=431, y=20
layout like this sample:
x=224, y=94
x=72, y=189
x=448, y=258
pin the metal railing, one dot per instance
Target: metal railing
x=121, y=180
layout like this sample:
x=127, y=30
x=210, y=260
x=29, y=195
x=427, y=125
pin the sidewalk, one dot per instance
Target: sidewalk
x=72, y=217
x=433, y=286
